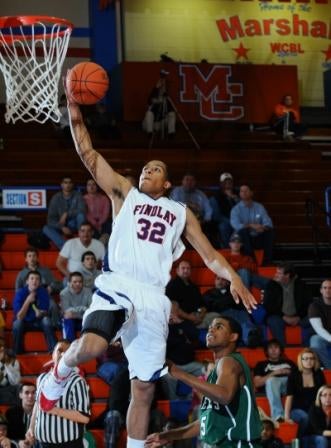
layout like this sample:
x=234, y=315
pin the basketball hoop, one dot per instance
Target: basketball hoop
x=32, y=51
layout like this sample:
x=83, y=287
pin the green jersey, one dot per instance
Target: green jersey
x=236, y=424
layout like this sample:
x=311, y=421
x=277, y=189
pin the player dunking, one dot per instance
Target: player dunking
x=228, y=417
x=130, y=300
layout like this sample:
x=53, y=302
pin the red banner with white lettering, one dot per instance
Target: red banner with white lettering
x=243, y=93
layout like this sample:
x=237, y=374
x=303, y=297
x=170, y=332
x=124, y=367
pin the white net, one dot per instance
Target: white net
x=31, y=59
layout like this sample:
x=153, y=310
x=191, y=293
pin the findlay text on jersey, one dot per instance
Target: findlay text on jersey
x=155, y=210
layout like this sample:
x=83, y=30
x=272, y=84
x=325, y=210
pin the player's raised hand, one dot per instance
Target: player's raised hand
x=241, y=294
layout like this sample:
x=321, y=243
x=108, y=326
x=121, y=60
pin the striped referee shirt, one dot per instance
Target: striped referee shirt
x=54, y=429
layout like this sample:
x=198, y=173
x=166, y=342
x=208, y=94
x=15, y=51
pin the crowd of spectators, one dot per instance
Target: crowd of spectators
x=239, y=225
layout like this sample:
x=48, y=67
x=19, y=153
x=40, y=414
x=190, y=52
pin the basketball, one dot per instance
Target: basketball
x=87, y=83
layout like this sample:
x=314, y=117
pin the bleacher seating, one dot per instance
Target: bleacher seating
x=33, y=361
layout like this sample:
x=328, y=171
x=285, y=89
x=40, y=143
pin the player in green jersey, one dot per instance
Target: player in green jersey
x=229, y=416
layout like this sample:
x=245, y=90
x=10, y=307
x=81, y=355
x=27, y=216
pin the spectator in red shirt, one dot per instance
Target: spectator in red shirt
x=244, y=265
x=286, y=119
x=98, y=209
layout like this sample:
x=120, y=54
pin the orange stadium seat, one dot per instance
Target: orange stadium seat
x=15, y=242
x=267, y=271
x=48, y=258
x=287, y=432
x=32, y=364
x=7, y=279
x=164, y=406
x=293, y=335
x=292, y=353
x=263, y=403
x=252, y=356
x=193, y=257
x=97, y=408
x=327, y=374
x=98, y=435
x=201, y=355
x=203, y=277
x=98, y=388
x=12, y=259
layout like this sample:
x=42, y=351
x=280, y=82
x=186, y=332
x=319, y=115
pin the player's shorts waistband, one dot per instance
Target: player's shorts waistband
x=132, y=282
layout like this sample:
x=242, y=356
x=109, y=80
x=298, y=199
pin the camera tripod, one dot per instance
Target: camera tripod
x=162, y=116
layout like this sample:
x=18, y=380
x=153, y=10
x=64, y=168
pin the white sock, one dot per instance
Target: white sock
x=62, y=369
x=134, y=443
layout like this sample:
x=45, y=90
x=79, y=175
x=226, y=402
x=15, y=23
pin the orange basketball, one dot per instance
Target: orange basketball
x=87, y=83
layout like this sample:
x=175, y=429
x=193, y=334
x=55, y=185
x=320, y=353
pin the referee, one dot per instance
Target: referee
x=64, y=425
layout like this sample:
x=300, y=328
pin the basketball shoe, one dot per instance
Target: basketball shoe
x=51, y=390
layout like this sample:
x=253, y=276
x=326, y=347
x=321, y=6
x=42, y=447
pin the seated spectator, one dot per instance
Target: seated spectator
x=187, y=294
x=74, y=301
x=102, y=123
x=48, y=281
x=320, y=319
x=271, y=375
x=302, y=387
x=70, y=256
x=286, y=301
x=160, y=115
x=268, y=438
x=66, y=212
x=244, y=265
x=219, y=301
x=286, y=119
x=10, y=375
x=5, y=442
x=222, y=203
x=182, y=341
x=251, y=220
x=97, y=209
x=89, y=269
x=31, y=312
x=320, y=420
x=32, y=264
x=195, y=199
x=19, y=416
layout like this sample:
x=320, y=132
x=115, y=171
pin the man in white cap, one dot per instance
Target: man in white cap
x=222, y=203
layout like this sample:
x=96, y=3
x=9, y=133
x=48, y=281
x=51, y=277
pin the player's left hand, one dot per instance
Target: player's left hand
x=155, y=440
x=240, y=293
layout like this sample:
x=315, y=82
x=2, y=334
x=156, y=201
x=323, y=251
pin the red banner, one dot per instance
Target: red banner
x=215, y=92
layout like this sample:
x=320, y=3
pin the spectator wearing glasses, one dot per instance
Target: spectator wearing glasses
x=320, y=420
x=302, y=387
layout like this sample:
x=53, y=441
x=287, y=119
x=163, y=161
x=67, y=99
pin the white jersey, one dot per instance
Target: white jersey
x=145, y=239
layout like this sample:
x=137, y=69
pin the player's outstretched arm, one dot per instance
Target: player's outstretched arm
x=112, y=183
x=228, y=374
x=162, y=438
x=216, y=262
